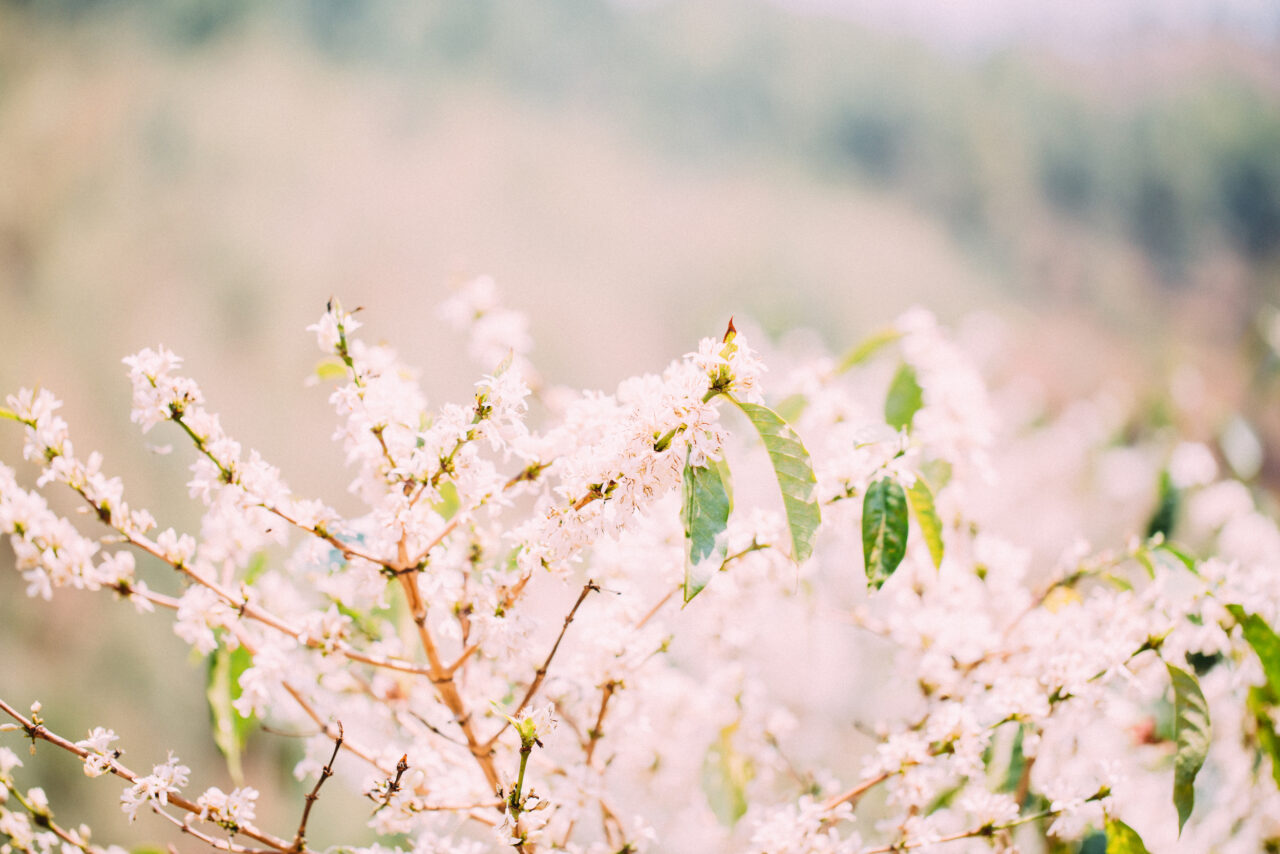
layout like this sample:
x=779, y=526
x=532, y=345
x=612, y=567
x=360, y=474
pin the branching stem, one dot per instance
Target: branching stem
x=38, y=731
x=300, y=838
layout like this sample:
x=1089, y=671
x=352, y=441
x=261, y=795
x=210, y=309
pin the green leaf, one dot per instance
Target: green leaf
x=1265, y=643
x=1094, y=842
x=1168, y=555
x=921, y=501
x=1259, y=704
x=792, y=407
x=904, y=399
x=1123, y=839
x=868, y=348
x=1186, y=558
x=1191, y=737
x=1116, y=581
x=1165, y=517
x=222, y=688
x=1143, y=556
x=707, y=503
x=884, y=530
x=331, y=368
x=937, y=473
x=256, y=567
x=1017, y=762
x=794, y=471
x=449, y=502
x=725, y=776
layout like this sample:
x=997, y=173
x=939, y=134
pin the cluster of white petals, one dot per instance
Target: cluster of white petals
x=155, y=788
x=491, y=647
x=230, y=809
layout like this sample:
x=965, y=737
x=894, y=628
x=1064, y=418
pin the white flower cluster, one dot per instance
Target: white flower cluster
x=100, y=757
x=231, y=810
x=493, y=331
x=498, y=626
x=155, y=788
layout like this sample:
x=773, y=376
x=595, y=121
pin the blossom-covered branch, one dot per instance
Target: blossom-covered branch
x=894, y=597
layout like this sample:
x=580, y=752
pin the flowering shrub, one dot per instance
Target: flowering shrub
x=574, y=633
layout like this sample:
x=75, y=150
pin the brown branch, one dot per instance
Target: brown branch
x=541, y=672
x=327, y=728
x=462, y=658
x=377, y=430
x=393, y=786
x=442, y=678
x=231, y=476
x=658, y=607
x=597, y=730
x=852, y=795
x=1024, y=781
x=344, y=549
x=425, y=807
x=527, y=474
x=211, y=841
x=300, y=838
x=39, y=731
x=983, y=830
x=253, y=612
x=435, y=729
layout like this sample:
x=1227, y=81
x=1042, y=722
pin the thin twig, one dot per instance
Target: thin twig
x=393, y=785
x=39, y=731
x=852, y=795
x=597, y=731
x=300, y=838
x=541, y=672
x=984, y=830
x=343, y=548
x=251, y=611
x=328, y=728
x=435, y=729
x=658, y=606
x=46, y=821
x=212, y=841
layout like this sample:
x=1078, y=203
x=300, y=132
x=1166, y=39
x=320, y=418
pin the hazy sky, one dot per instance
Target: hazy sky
x=1070, y=25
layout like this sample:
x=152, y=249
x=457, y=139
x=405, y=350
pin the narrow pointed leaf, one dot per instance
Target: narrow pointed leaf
x=792, y=407
x=1143, y=556
x=884, y=530
x=707, y=504
x=1168, y=508
x=1186, y=558
x=1123, y=839
x=1259, y=704
x=1191, y=738
x=1265, y=643
x=222, y=688
x=257, y=566
x=794, y=471
x=1017, y=762
x=921, y=501
x=868, y=348
x=726, y=772
x=904, y=399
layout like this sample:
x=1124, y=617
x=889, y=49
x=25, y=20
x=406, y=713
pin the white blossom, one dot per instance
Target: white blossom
x=155, y=788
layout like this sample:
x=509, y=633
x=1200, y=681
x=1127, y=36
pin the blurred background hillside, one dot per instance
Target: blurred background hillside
x=1105, y=176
